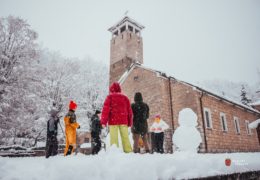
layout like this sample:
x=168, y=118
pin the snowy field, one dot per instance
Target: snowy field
x=114, y=164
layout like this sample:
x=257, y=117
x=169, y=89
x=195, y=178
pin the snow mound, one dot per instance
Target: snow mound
x=254, y=124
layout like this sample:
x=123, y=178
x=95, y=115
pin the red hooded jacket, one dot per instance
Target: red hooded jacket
x=117, y=109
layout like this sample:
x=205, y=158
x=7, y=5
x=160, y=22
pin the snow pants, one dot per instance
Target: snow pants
x=96, y=142
x=51, y=146
x=70, y=142
x=157, y=140
x=123, y=129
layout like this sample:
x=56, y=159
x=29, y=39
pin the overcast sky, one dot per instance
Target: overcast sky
x=192, y=40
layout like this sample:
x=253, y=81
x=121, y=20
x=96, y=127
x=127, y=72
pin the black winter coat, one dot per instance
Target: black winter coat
x=52, y=131
x=95, y=124
x=141, y=114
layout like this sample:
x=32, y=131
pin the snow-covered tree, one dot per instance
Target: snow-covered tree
x=244, y=99
x=18, y=51
x=229, y=89
x=34, y=80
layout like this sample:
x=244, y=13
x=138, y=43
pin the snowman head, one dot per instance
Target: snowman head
x=188, y=118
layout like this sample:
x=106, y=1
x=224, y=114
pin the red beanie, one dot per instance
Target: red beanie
x=73, y=105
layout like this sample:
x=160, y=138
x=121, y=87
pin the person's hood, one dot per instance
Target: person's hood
x=138, y=97
x=115, y=88
x=54, y=112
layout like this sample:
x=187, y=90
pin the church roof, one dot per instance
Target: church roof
x=162, y=74
x=125, y=19
x=256, y=103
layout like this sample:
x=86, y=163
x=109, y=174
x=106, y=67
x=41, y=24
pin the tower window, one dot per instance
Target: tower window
x=115, y=33
x=122, y=29
x=136, y=31
x=130, y=28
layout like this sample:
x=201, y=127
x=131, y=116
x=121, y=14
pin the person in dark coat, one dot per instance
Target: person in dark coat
x=140, y=126
x=52, y=132
x=95, y=132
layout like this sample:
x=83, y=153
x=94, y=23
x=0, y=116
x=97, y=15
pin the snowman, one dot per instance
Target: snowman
x=187, y=138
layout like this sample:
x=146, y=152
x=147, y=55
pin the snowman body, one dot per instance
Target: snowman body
x=187, y=137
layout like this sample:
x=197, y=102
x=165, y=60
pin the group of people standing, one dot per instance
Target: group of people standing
x=119, y=115
x=70, y=121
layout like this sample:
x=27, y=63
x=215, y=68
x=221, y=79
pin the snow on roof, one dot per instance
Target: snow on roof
x=126, y=18
x=217, y=95
x=211, y=92
x=254, y=124
x=255, y=103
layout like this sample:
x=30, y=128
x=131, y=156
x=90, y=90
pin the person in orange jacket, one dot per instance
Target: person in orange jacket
x=70, y=129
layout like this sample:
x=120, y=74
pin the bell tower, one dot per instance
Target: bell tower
x=126, y=47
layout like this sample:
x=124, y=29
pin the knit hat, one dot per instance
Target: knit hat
x=73, y=105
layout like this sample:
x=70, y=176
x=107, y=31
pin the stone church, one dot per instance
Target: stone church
x=222, y=123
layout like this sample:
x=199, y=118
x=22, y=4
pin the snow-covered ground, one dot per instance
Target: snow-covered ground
x=114, y=164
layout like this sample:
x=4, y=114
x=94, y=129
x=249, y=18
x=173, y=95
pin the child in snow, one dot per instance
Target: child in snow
x=158, y=127
x=96, y=131
x=70, y=129
x=118, y=114
x=52, y=131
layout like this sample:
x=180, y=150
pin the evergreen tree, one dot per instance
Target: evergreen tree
x=243, y=95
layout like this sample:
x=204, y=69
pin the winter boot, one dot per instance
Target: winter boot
x=69, y=150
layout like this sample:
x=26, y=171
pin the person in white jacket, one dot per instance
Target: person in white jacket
x=158, y=127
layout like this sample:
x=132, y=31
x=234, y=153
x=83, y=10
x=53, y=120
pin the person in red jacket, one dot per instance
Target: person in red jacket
x=117, y=113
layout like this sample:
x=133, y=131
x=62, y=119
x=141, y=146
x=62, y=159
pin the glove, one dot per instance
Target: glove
x=78, y=127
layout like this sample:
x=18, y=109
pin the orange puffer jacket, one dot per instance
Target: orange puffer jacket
x=70, y=129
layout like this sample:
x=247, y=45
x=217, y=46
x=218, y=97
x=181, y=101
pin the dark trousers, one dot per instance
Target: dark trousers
x=157, y=142
x=96, y=142
x=136, y=141
x=51, y=146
